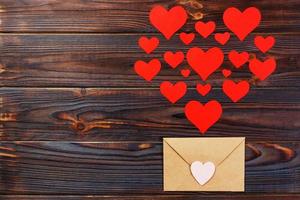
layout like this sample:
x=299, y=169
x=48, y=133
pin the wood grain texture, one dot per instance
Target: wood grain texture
x=104, y=60
x=128, y=167
x=126, y=114
x=206, y=196
x=132, y=15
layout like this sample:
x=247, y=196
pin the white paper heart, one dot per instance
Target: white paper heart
x=202, y=172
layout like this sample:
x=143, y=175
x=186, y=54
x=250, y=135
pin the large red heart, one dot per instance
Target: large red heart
x=242, y=23
x=148, y=45
x=168, y=22
x=203, y=89
x=187, y=38
x=205, y=29
x=173, y=92
x=147, y=70
x=203, y=116
x=238, y=59
x=173, y=59
x=235, y=91
x=262, y=69
x=205, y=63
x=264, y=44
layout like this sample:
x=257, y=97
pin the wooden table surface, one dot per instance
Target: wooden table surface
x=76, y=122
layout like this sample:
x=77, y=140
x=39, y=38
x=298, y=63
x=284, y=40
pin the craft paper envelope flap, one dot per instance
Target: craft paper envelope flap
x=226, y=153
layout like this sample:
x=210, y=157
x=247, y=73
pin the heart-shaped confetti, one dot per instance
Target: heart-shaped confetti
x=241, y=23
x=264, y=44
x=168, y=22
x=148, y=45
x=222, y=38
x=205, y=29
x=236, y=91
x=204, y=62
x=187, y=38
x=173, y=92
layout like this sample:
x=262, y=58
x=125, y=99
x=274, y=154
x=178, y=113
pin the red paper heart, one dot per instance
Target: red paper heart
x=264, y=44
x=185, y=72
x=235, y=91
x=226, y=72
x=168, y=22
x=242, y=23
x=147, y=70
x=238, y=59
x=262, y=69
x=148, y=45
x=203, y=89
x=187, y=38
x=205, y=63
x=222, y=38
x=174, y=59
x=173, y=92
x=203, y=116
x=205, y=29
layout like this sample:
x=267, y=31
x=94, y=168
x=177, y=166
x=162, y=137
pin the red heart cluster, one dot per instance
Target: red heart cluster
x=204, y=63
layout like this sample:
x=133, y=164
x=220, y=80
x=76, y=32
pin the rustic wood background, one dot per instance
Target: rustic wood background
x=76, y=122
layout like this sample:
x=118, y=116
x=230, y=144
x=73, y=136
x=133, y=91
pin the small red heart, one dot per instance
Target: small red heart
x=147, y=70
x=203, y=89
x=173, y=59
x=185, y=73
x=264, y=44
x=168, y=22
x=242, y=23
x=262, y=69
x=235, y=91
x=148, y=45
x=226, y=72
x=173, y=92
x=205, y=29
x=203, y=116
x=238, y=59
x=205, y=63
x=222, y=38
x=187, y=38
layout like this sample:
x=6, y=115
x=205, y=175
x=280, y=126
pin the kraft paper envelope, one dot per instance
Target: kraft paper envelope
x=228, y=155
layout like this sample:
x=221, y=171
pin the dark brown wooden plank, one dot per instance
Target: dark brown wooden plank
x=159, y=197
x=141, y=114
x=132, y=15
x=128, y=167
x=103, y=60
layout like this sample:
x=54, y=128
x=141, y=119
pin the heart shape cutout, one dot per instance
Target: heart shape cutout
x=203, y=89
x=226, y=72
x=235, y=91
x=148, y=45
x=168, y=22
x=173, y=92
x=262, y=69
x=222, y=38
x=264, y=44
x=147, y=70
x=173, y=59
x=205, y=63
x=186, y=38
x=202, y=172
x=203, y=116
x=238, y=59
x=205, y=29
x=185, y=73
x=241, y=23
